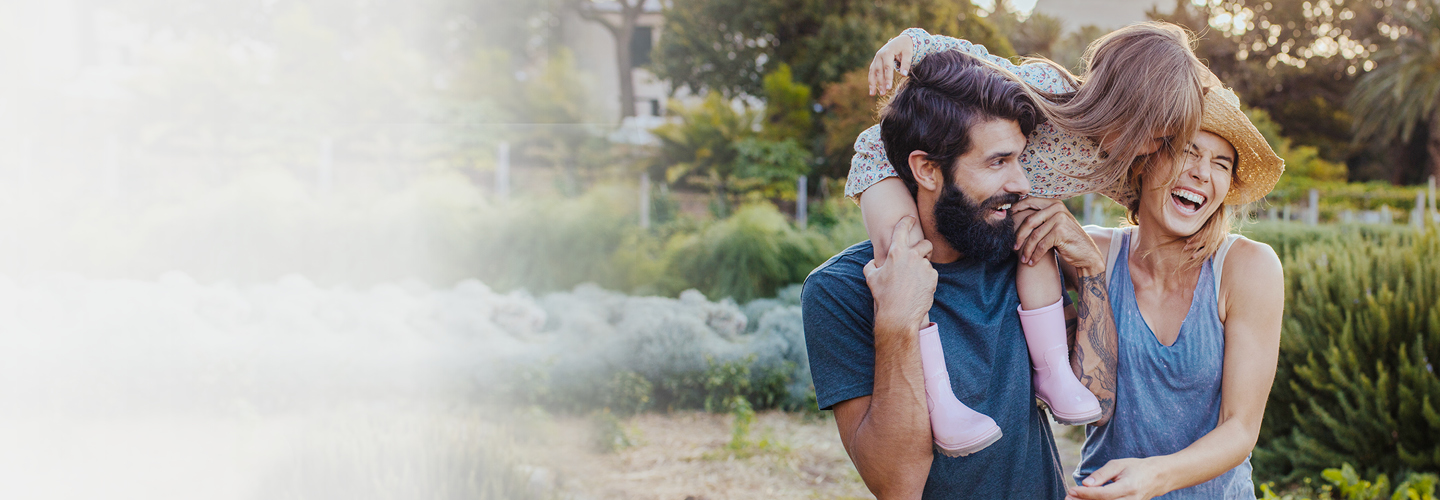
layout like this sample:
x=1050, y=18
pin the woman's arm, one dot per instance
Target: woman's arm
x=1252, y=304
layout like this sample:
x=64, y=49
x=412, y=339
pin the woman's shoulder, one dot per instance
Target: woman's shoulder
x=1251, y=267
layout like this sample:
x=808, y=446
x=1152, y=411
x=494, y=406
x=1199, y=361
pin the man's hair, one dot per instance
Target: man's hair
x=944, y=97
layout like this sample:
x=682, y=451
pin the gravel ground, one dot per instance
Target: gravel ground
x=684, y=455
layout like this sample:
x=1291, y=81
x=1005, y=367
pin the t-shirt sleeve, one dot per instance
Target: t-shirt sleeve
x=869, y=165
x=1039, y=75
x=839, y=336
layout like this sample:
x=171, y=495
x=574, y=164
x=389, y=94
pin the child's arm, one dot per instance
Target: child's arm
x=887, y=199
x=1038, y=284
x=1039, y=75
x=884, y=204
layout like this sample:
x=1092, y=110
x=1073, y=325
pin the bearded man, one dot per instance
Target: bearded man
x=954, y=132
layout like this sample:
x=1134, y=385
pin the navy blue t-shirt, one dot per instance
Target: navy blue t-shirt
x=985, y=351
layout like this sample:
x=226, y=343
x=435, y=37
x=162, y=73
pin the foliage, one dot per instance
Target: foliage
x=1404, y=90
x=1346, y=484
x=787, y=106
x=604, y=350
x=1354, y=382
x=1296, y=59
x=759, y=243
x=1300, y=161
x=717, y=146
x=849, y=110
x=727, y=46
x=607, y=433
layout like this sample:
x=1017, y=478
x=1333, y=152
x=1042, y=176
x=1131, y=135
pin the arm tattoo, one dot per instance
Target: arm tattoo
x=1098, y=342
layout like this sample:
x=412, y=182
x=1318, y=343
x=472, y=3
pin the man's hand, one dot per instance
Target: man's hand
x=1127, y=478
x=1042, y=224
x=904, y=289
x=882, y=68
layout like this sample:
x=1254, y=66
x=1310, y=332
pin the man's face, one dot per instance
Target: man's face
x=972, y=211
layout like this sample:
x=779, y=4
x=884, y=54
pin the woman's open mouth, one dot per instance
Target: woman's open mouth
x=1187, y=201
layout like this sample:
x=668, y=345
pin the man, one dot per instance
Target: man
x=954, y=132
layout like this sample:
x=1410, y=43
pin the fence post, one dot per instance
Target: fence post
x=502, y=171
x=645, y=200
x=1434, y=213
x=802, y=214
x=1417, y=216
x=1314, y=214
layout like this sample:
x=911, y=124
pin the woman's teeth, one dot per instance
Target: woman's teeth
x=1189, y=199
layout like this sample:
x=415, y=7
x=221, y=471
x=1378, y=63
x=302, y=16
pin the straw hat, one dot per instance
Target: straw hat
x=1257, y=168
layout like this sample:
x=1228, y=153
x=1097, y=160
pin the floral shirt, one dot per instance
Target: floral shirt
x=1053, y=159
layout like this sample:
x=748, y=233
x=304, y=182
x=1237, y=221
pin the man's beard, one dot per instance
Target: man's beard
x=965, y=225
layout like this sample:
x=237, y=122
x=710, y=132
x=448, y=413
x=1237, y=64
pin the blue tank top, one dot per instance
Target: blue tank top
x=1166, y=397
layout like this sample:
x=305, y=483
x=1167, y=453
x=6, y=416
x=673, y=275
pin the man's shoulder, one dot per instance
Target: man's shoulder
x=846, y=267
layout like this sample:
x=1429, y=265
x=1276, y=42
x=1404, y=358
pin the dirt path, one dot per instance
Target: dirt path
x=685, y=455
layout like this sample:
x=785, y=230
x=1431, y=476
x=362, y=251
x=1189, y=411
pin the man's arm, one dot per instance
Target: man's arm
x=887, y=434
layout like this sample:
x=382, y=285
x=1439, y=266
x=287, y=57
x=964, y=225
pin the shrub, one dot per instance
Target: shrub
x=1346, y=484
x=1355, y=382
x=602, y=349
x=748, y=256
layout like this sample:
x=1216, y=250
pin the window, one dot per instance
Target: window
x=640, y=44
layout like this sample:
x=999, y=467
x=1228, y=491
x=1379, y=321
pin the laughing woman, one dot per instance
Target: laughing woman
x=1197, y=314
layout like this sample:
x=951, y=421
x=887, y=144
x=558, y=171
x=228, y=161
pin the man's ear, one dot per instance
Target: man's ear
x=927, y=173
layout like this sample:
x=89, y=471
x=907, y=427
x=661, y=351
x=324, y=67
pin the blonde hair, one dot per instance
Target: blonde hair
x=1211, y=234
x=1144, y=79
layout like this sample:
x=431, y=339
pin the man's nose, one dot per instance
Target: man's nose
x=1017, y=182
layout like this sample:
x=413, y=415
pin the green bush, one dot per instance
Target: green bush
x=1355, y=382
x=748, y=256
x=1346, y=484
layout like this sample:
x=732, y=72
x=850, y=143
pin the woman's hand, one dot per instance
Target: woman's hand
x=882, y=68
x=1042, y=224
x=1125, y=478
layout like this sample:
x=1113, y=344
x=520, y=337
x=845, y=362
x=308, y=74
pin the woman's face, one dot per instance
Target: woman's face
x=1182, y=207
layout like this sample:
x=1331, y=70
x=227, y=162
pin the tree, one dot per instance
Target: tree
x=1404, y=89
x=728, y=46
x=623, y=32
x=1296, y=59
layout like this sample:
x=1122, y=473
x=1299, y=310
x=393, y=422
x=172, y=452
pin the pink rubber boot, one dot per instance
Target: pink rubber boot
x=1055, y=384
x=958, y=430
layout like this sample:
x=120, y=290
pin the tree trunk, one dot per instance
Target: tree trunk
x=623, y=37
x=623, y=33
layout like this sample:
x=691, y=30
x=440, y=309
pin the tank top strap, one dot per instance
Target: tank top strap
x=1218, y=265
x=1117, y=237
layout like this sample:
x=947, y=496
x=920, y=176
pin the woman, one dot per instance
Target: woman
x=1197, y=315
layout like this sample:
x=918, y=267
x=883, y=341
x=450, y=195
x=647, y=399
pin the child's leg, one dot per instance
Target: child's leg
x=882, y=206
x=957, y=429
x=1042, y=316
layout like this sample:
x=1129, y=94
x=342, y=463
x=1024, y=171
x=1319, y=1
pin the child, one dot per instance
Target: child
x=1143, y=86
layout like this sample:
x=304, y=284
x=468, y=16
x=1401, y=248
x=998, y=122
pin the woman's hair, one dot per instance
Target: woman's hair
x=1144, y=79
x=1216, y=228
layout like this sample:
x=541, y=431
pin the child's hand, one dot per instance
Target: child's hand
x=882, y=68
